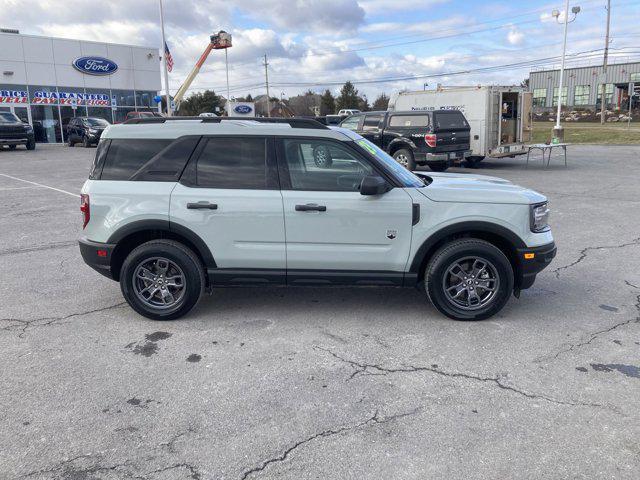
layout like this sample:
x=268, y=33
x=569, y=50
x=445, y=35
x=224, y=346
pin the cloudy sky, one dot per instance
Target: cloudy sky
x=382, y=45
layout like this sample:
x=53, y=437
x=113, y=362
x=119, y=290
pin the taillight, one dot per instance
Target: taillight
x=85, y=209
x=430, y=139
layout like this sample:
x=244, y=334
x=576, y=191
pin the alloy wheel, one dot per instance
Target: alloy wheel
x=159, y=283
x=471, y=283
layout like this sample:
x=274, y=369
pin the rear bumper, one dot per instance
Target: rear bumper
x=422, y=157
x=528, y=268
x=97, y=255
x=17, y=140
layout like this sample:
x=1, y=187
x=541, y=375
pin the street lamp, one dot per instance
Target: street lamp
x=558, y=131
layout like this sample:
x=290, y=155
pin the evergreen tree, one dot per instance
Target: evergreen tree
x=327, y=103
x=348, y=97
x=381, y=103
x=200, y=102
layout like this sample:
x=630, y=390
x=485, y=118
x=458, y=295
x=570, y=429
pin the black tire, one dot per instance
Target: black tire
x=31, y=145
x=181, y=256
x=439, y=167
x=70, y=142
x=322, y=156
x=463, y=252
x=404, y=157
x=85, y=142
x=12, y=147
x=473, y=162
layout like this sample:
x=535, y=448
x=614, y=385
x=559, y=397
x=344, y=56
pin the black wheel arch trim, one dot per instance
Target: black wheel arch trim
x=167, y=226
x=401, y=143
x=463, y=228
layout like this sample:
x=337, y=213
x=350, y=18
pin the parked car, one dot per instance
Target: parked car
x=348, y=111
x=85, y=130
x=14, y=132
x=436, y=138
x=209, y=202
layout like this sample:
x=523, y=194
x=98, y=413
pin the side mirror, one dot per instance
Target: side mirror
x=373, y=185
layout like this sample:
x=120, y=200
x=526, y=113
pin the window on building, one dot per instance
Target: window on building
x=539, y=97
x=555, y=96
x=635, y=77
x=233, y=163
x=581, y=94
x=124, y=98
x=609, y=87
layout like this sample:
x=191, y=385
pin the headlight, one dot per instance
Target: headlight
x=540, y=217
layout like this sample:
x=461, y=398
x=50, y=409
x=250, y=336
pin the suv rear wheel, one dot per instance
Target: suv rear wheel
x=469, y=279
x=405, y=158
x=162, y=279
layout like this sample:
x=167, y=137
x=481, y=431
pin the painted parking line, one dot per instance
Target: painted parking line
x=39, y=185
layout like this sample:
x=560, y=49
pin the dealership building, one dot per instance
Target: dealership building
x=46, y=81
x=581, y=87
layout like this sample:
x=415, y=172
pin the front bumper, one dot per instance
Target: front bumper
x=422, y=158
x=97, y=255
x=532, y=261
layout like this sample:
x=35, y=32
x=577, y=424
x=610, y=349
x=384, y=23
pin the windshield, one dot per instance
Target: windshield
x=97, y=122
x=8, y=117
x=407, y=178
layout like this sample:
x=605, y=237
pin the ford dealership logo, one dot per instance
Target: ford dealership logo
x=244, y=109
x=95, y=65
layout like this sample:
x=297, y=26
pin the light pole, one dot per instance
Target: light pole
x=558, y=131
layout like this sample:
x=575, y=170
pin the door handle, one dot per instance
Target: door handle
x=311, y=207
x=202, y=206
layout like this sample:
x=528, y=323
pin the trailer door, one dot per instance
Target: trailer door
x=494, y=119
x=526, y=125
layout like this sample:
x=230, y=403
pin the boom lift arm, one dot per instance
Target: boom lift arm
x=218, y=41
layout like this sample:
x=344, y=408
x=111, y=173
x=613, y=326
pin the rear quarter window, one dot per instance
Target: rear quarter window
x=409, y=121
x=125, y=157
x=450, y=119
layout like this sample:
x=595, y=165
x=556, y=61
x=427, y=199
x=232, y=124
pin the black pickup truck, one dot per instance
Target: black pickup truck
x=14, y=132
x=436, y=138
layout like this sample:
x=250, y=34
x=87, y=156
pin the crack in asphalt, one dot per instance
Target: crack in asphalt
x=37, y=248
x=592, y=336
x=584, y=253
x=375, y=419
x=170, y=444
x=377, y=369
x=24, y=325
x=193, y=471
x=70, y=472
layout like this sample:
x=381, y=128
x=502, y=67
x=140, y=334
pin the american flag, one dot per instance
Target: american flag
x=168, y=57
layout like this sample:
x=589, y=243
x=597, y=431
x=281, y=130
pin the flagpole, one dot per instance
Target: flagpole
x=164, y=61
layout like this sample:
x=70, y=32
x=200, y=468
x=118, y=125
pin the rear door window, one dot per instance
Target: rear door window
x=233, y=162
x=352, y=122
x=371, y=122
x=450, y=119
x=409, y=121
x=126, y=156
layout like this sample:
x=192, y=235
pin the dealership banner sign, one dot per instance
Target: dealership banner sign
x=14, y=96
x=71, y=98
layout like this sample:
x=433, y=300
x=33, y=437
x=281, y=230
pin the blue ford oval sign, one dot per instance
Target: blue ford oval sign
x=95, y=65
x=243, y=109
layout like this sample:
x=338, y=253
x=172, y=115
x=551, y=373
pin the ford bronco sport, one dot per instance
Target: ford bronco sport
x=175, y=207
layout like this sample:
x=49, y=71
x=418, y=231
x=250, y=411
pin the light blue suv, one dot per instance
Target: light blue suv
x=173, y=207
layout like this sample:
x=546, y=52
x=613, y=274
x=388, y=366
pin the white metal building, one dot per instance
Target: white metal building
x=46, y=81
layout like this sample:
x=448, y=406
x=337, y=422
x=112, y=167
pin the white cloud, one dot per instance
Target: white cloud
x=515, y=36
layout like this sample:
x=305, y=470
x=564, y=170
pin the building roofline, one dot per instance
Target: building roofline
x=584, y=67
x=77, y=40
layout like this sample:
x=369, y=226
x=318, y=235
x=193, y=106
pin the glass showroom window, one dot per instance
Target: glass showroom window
x=67, y=97
x=608, y=93
x=581, y=94
x=144, y=99
x=98, y=102
x=635, y=77
x=45, y=114
x=15, y=99
x=555, y=96
x=124, y=98
x=539, y=97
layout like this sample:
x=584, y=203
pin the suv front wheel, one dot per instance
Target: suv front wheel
x=469, y=279
x=162, y=279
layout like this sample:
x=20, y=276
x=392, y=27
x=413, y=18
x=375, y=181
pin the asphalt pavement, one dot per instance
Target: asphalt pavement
x=310, y=383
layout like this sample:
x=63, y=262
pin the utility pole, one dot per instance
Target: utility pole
x=603, y=87
x=164, y=60
x=266, y=79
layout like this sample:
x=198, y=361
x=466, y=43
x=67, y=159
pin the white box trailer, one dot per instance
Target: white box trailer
x=499, y=116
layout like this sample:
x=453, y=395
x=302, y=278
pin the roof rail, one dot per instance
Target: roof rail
x=293, y=122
